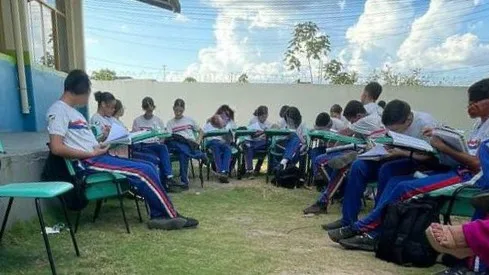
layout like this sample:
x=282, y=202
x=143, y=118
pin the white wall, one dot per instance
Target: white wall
x=447, y=104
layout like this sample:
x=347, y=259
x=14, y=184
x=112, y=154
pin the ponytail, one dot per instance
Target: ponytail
x=104, y=97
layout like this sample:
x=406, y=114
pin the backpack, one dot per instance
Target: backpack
x=55, y=170
x=288, y=177
x=403, y=240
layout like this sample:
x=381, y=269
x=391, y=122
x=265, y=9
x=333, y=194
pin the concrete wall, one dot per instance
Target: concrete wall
x=9, y=96
x=447, y=104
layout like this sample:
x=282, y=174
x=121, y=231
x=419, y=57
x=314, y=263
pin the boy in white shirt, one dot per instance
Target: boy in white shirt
x=259, y=123
x=369, y=96
x=70, y=137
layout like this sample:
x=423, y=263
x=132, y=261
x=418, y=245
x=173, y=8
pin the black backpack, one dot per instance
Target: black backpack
x=55, y=170
x=288, y=177
x=403, y=240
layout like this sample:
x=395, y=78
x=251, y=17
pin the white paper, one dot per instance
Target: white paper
x=118, y=135
x=410, y=142
x=376, y=152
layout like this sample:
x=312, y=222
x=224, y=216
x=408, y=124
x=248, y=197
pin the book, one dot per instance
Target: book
x=117, y=135
x=453, y=138
x=410, y=143
x=377, y=153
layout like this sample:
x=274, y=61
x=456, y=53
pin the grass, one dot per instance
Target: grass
x=246, y=228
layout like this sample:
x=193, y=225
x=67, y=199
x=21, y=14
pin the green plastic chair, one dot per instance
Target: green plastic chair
x=174, y=158
x=456, y=201
x=38, y=191
x=101, y=186
x=210, y=157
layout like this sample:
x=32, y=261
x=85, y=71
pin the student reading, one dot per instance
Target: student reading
x=70, y=137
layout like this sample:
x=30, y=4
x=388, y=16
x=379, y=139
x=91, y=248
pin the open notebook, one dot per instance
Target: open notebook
x=408, y=142
x=376, y=153
x=453, y=138
x=120, y=135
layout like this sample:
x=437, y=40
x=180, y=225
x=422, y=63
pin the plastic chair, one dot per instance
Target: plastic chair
x=210, y=157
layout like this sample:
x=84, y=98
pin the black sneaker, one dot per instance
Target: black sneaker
x=360, y=242
x=223, y=178
x=173, y=182
x=191, y=223
x=333, y=225
x=174, y=189
x=167, y=224
x=250, y=175
x=316, y=209
x=341, y=233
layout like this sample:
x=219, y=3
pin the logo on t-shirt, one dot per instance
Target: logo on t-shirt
x=78, y=124
x=473, y=144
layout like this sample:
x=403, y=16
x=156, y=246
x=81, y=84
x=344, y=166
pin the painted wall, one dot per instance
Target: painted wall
x=11, y=117
x=447, y=104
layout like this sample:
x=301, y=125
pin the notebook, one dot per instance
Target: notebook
x=117, y=135
x=377, y=153
x=409, y=142
x=453, y=138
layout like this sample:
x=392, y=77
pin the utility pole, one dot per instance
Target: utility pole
x=164, y=73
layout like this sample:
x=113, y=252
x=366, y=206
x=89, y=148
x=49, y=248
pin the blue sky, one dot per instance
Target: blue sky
x=216, y=40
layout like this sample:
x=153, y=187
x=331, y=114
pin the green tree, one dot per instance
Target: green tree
x=243, y=78
x=335, y=74
x=189, y=79
x=48, y=60
x=104, y=74
x=390, y=77
x=308, y=43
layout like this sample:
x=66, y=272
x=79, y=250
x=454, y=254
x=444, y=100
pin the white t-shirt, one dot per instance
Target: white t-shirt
x=101, y=121
x=282, y=124
x=372, y=108
x=338, y=124
x=209, y=128
x=255, y=124
x=479, y=134
x=370, y=125
x=64, y=120
x=141, y=123
x=421, y=120
x=184, y=126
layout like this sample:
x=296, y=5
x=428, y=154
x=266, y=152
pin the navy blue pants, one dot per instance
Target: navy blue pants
x=313, y=154
x=142, y=176
x=155, y=153
x=185, y=155
x=250, y=148
x=222, y=154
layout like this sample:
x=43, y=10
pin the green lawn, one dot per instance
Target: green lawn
x=246, y=228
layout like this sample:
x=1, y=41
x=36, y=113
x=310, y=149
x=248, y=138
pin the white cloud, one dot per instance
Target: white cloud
x=181, y=18
x=342, y=4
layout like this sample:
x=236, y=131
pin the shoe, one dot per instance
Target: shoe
x=333, y=225
x=250, y=175
x=167, y=224
x=205, y=160
x=316, y=209
x=481, y=202
x=360, y=242
x=185, y=187
x=458, y=270
x=223, y=178
x=190, y=222
x=343, y=160
x=342, y=233
x=174, y=189
x=172, y=182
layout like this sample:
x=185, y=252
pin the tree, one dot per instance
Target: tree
x=335, y=74
x=48, y=60
x=243, y=78
x=306, y=43
x=189, y=79
x=104, y=74
x=390, y=77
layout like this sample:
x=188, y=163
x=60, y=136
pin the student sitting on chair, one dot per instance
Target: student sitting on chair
x=220, y=147
x=154, y=150
x=102, y=120
x=184, y=143
x=362, y=234
x=362, y=124
x=118, y=113
x=337, y=112
x=369, y=96
x=282, y=124
x=397, y=117
x=70, y=137
x=258, y=142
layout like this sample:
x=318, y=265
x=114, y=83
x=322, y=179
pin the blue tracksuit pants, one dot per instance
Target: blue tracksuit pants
x=185, y=155
x=222, y=154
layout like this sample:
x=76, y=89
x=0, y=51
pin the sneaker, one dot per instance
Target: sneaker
x=223, y=178
x=205, y=160
x=360, y=242
x=173, y=182
x=341, y=233
x=191, y=223
x=250, y=175
x=316, y=209
x=481, y=202
x=333, y=225
x=167, y=224
x=174, y=189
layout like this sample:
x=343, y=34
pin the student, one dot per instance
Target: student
x=382, y=104
x=295, y=143
x=220, y=147
x=361, y=124
x=336, y=112
x=259, y=123
x=369, y=96
x=404, y=187
x=282, y=124
x=153, y=150
x=397, y=117
x=102, y=120
x=70, y=137
x=184, y=142
x=118, y=112
x=227, y=115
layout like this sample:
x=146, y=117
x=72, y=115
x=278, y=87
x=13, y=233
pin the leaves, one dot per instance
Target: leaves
x=333, y=72
x=189, y=79
x=390, y=77
x=243, y=78
x=104, y=74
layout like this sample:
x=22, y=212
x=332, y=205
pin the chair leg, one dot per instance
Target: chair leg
x=192, y=168
x=73, y=239
x=147, y=208
x=5, y=218
x=45, y=236
x=119, y=195
x=77, y=221
x=201, y=176
x=139, y=211
x=208, y=171
x=97, y=210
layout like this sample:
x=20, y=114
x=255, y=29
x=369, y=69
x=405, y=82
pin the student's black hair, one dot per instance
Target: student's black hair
x=295, y=115
x=283, y=110
x=179, y=103
x=104, y=97
x=323, y=120
x=382, y=104
x=118, y=106
x=77, y=82
x=336, y=108
x=226, y=109
x=261, y=110
x=479, y=90
x=353, y=108
x=147, y=102
x=373, y=89
x=396, y=112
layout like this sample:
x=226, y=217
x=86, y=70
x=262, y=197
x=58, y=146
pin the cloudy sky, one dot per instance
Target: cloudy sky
x=217, y=40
